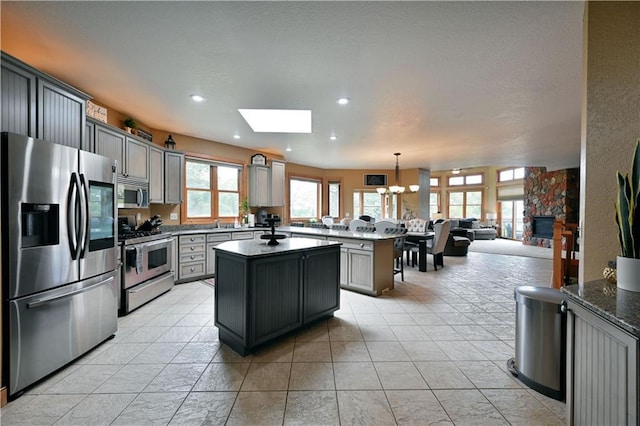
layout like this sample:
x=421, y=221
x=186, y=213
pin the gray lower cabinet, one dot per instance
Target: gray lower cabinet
x=191, y=257
x=258, y=299
x=602, y=370
x=37, y=105
x=366, y=266
x=212, y=241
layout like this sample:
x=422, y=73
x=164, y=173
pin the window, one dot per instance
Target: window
x=304, y=198
x=510, y=174
x=466, y=180
x=334, y=198
x=465, y=204
x=434, y=182
x=434, y=203
x=374, y=205
x=212, y=191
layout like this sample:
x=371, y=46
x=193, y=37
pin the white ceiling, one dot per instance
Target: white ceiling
x=447, y=84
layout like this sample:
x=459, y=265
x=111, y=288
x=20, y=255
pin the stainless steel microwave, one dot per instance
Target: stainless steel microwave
x=133, y=195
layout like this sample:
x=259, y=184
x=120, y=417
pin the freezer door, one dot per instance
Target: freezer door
x=41, y=187
x=98, y=253
x=51, y=329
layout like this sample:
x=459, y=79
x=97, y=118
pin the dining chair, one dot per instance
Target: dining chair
x=435, y=247
x=384, y=225
x=356, y=223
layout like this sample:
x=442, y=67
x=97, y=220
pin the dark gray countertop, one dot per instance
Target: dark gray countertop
x=252, y=248
x=620, y=307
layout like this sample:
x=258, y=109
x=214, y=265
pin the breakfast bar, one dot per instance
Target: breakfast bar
x=265, y=291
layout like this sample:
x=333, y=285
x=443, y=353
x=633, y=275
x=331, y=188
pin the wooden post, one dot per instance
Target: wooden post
x=556, y=279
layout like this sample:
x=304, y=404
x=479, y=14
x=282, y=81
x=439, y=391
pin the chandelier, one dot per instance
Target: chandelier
x=397, y=188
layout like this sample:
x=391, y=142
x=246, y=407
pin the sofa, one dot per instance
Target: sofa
x=457, y=243
x=474, y=229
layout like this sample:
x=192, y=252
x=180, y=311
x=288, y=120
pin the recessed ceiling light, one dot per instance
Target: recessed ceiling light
x=236, y=136
x=197, y=98
x=333, y=137
x=288, y=148
x=343, y=101
x=278, y=120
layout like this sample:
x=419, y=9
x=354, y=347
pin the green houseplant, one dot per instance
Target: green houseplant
x=130, y=124
x=244, y=210
x=628, y=221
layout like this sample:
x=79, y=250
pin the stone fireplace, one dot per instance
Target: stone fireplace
x=547, y=196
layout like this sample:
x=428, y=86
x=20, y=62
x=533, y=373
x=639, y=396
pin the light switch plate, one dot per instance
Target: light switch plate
x=173, y=216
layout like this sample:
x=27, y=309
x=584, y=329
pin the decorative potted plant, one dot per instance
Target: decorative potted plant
x=244, y=211
x=628, y=221
x=130, y=124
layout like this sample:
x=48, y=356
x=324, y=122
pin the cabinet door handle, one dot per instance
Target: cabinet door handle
x=192, y=248
x=193, y=238
x=193, y=268
x=193, y=257
x=361, y=245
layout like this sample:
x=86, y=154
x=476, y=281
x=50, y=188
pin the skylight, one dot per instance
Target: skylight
x=278, y=120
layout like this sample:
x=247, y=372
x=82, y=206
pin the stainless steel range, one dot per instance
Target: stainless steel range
x=146, y=268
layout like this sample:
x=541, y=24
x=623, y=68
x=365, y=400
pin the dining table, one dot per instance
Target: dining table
x=420, y=238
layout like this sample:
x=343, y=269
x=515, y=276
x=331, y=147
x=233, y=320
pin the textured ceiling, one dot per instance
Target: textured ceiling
x=447, y=84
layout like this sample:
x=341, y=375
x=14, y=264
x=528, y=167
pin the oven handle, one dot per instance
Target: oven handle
x=156, y=243
x=40, y=302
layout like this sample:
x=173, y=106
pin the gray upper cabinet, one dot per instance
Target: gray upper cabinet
x=156, y=174
x=266, y=185
x=277, y=183
x=131, y=154
x=137, y=159
x=110, y=143
x=90, y=136
x=37, y=105
x=173, y=177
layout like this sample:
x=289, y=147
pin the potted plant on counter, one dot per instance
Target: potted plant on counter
x=244, y=211
x=628, y=221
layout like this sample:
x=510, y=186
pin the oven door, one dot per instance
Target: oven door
x=145, y=261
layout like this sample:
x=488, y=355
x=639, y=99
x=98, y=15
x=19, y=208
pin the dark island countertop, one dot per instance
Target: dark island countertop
x=251, y=248
x=620, y=307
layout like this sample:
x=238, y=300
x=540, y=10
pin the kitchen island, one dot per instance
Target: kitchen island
x=366, y=258
x=603, y=330
x=263, y=292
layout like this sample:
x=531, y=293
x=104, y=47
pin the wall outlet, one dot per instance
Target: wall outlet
x=173, y=216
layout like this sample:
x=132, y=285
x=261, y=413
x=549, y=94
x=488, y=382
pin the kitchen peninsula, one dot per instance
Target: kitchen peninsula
x=264, y=291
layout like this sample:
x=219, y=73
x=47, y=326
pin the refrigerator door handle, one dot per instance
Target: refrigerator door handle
x=40, y=302
x=84, y=215
x=72, y=233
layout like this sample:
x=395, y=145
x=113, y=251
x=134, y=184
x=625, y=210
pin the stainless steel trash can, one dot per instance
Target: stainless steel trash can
x=541, y=340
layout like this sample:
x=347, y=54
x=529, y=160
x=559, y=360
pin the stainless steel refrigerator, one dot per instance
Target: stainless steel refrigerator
x=59, y=291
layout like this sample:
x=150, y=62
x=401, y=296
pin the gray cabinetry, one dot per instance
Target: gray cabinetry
x=173, y=177
x=131, y=154
x=366, y=266
x=277, y=183
x=212, y=241
x=259, y=186
x=137, y=159
x=37, y=105
x=156, y=174
x=602, y=370
x=266, y=185
x=191, y=256
x=90, y=136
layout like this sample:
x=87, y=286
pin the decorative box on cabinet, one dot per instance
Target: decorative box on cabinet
x=37, y=105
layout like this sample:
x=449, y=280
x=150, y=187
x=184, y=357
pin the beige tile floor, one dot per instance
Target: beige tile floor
x=433, y=350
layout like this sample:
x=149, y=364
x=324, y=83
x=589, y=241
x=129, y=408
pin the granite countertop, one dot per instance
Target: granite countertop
x=204, y=229
x=251, y=248
x=621, y=307
x=338, y=234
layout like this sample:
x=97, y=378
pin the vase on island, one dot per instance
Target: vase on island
x=628, y=273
